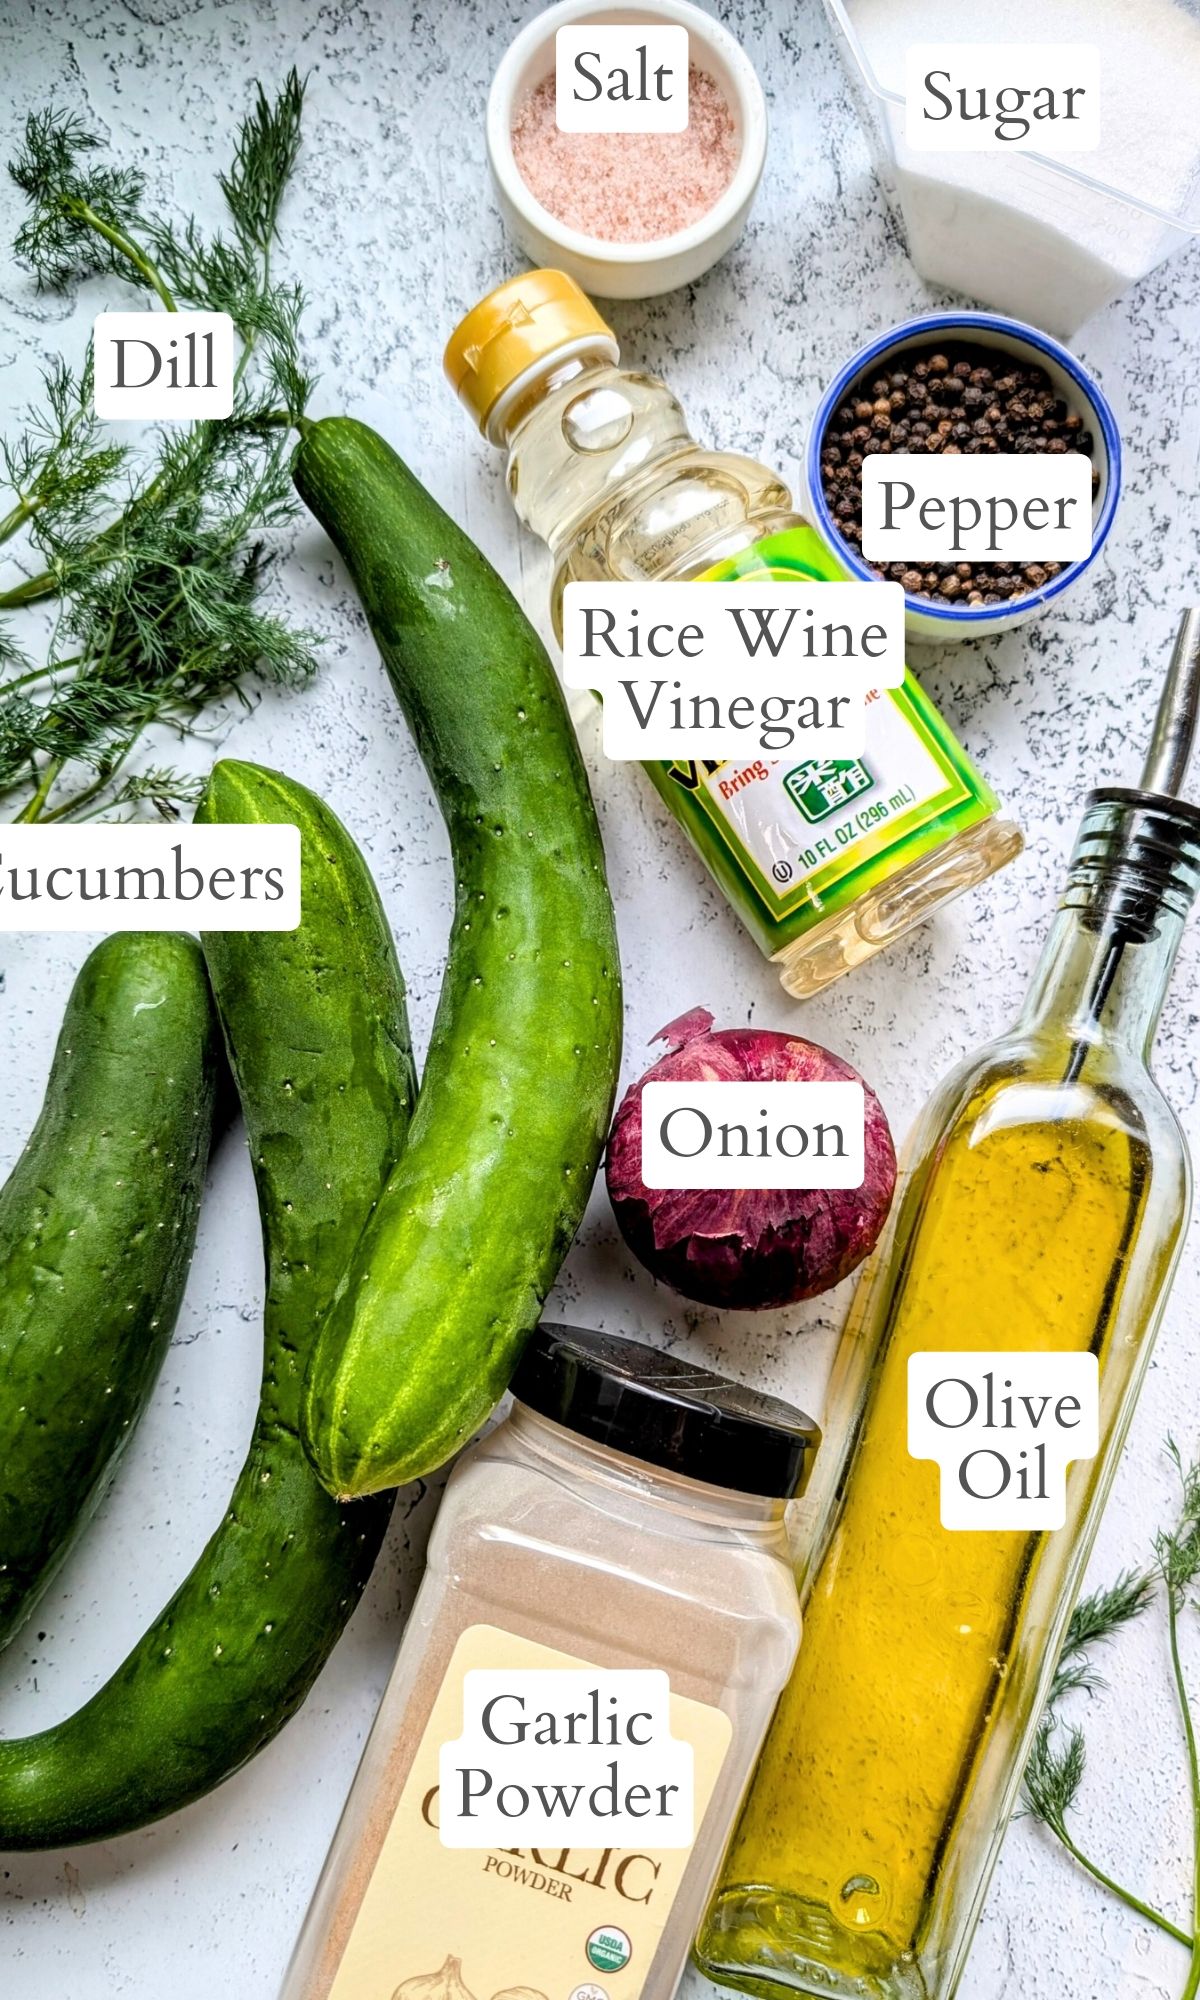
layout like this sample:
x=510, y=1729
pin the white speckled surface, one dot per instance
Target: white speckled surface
x=392, y=230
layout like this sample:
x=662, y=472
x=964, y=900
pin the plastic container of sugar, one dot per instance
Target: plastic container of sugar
x=1046, y=239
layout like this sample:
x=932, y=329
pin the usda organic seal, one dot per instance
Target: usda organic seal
x=609, y=1949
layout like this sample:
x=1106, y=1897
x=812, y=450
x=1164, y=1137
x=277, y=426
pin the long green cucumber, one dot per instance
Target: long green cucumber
x=517, y=1091
x=97, y=1223
x=318, y=1040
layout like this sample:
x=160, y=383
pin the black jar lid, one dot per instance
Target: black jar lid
x=666, y=1411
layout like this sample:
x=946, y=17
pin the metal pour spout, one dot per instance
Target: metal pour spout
x=1174, y=732
x=1138, y=865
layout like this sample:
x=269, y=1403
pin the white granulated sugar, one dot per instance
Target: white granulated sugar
x=1014, y=234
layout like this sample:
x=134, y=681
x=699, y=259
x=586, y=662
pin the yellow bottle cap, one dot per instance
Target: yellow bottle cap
x=517, y=326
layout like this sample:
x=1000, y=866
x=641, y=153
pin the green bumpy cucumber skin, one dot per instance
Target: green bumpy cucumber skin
x=97, y=1224
x=317, y=1036
x=517, y=1091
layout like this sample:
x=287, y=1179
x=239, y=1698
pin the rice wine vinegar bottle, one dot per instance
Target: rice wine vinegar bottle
x=825, y=861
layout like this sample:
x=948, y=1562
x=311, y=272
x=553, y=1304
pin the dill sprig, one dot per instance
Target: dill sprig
x=87, y=217
x=1055, y=1771
x=262, y=165
x=83, y=209
x=156, y=554
x=61, y=459
x=1178, y=1557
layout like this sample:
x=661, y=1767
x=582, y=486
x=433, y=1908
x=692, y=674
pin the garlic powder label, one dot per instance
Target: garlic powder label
x=550, y=1752
x=547, y=1918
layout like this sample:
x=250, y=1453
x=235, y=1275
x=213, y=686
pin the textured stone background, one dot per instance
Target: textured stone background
x=392, y=231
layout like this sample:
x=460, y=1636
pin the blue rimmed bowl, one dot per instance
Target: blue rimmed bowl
x=926, y=618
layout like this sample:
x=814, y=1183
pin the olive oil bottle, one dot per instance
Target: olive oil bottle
x=825, y=861
x=1046, y=1193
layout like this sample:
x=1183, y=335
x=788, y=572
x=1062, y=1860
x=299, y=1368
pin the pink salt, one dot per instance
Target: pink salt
x=628, y=187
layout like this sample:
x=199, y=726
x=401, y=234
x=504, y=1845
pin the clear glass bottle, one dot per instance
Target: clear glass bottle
x=826, y=862
x=629, y=1513
x=1047, y=1189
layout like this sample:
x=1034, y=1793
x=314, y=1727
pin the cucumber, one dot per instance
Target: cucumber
x=318, y=1040
x=517, y=1091
x=97, y=1224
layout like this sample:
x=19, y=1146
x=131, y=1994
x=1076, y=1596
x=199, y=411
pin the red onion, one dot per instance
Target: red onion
x=747, y=1247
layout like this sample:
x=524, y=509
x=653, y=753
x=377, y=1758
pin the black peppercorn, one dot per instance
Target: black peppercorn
x=964, y=399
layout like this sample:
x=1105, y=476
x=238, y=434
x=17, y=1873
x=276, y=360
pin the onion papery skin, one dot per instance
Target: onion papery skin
x=747, y=1248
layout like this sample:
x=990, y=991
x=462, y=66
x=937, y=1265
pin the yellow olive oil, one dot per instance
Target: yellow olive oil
x=888, y=1713
x=1045, y=1196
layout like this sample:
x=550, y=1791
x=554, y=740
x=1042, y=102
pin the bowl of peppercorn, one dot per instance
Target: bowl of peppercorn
x=951, y=383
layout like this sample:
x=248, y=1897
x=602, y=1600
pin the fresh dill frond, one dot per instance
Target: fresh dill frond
x=157, y=553
x=87, y=217
x=1054, y=1774
x=14, y=660
x=1177, y=1552
x=163, y=788
x=1096, y=1618
x=166, y=621
x=81, y=206
x=61, y=460
x=18, y=722
x=1055, y=1769
x=284, y=379
x=266, y=152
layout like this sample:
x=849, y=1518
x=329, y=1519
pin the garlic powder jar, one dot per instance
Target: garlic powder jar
x=629, y=1513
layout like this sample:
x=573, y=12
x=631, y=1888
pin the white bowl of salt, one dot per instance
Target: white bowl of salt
x=627, y=215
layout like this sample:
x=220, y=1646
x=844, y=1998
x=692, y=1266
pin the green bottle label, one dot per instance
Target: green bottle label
x=792, y=843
